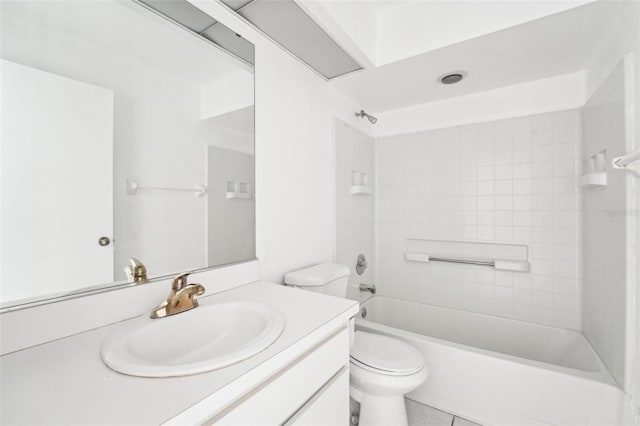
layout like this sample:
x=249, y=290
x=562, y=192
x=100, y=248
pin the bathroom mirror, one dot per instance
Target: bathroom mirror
x=127, y=131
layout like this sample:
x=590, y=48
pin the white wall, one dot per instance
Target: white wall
x=550, y=94
x=511, y=180
x=354, y=213
x=233, y=130
x=228, y=94
x=230, y=221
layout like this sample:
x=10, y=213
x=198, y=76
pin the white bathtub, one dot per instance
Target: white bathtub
x=498, y=371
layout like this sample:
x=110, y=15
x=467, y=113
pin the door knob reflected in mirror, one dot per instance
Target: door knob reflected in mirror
x=104, y=241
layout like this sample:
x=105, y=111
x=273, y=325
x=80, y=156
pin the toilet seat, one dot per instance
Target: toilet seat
x=385, y=355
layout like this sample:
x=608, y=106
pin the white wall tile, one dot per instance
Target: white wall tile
x=509, y=180
x=542, y=169
x=503, y=187
x=522, y=202
x=354, y=219
x=522, y=218
x=542, y=186
x=503, y=202
x=522, y=296
x=503, y=233
x=522, y=233
x=522, y=156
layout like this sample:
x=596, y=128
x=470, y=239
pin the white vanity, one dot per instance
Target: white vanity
x=301, y=378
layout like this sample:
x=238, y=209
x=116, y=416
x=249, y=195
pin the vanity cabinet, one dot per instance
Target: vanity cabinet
x=302, y=378
x=328, y=405
x=311, y=390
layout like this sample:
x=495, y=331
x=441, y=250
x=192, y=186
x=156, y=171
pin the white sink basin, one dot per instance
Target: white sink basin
x=203, y=339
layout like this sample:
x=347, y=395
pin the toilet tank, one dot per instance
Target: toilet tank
x=327, y=278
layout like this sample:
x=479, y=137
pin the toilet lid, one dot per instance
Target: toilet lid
x=386, y=353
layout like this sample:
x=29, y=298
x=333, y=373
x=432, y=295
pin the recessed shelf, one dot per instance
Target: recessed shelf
x=241, y=190
x=360, y=183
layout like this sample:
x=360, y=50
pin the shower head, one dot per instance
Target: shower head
x=371, y=118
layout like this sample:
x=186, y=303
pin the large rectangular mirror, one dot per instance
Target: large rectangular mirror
x=127, y=131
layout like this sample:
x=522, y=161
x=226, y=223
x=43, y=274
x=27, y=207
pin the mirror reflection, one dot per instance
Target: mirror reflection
x=124, y=135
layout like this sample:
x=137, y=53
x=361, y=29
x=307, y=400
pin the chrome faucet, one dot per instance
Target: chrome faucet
x=180, y=299
x=368, y=287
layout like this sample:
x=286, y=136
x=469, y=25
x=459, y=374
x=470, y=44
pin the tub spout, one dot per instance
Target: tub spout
x=368, y=287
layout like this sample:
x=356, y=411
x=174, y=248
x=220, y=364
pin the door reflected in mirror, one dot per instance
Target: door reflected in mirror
x=124, y=134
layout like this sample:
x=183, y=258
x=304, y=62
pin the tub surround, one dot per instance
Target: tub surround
x=354, y=220
x=607, y=220
x=508, y=181
x=37, y=383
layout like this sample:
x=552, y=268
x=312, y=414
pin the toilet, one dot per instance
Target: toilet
x=382, y=369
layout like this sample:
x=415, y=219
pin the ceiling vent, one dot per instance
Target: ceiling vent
x=293, y=29
x=283, y=21
x=452, y=77
x=192, y=18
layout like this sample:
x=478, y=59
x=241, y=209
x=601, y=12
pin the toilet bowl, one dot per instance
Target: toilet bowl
x=382, y=368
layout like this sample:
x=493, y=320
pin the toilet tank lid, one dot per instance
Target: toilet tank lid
x=317, y=275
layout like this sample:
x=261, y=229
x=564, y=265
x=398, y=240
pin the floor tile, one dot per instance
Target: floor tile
x=459, y=421
x=423, y=415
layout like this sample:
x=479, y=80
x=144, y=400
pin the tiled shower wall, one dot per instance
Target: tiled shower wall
x=606, y=212
x=505, y=181
x=354, y=213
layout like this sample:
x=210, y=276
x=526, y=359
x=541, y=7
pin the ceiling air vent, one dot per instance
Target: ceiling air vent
x=290, y=26
x=192, y=18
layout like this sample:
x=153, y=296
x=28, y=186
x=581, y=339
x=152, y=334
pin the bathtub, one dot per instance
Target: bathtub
x=499, y=371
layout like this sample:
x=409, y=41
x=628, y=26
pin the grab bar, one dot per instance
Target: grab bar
x=506, y=265
x=467, y=262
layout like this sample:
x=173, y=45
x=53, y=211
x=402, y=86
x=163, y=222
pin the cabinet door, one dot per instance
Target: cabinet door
x=330, y=406
x=279, y=398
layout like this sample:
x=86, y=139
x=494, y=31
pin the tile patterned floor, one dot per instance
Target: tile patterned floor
x=423, y=415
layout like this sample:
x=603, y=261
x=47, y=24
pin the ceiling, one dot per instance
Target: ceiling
x=553, y=45
x=133, y=32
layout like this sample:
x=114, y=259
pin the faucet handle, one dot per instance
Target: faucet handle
x=180, y=281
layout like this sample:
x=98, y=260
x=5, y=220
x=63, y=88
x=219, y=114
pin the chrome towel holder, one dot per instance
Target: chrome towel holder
x=623, y=163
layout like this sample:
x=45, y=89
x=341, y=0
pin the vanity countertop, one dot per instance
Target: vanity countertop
x=66, y=382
